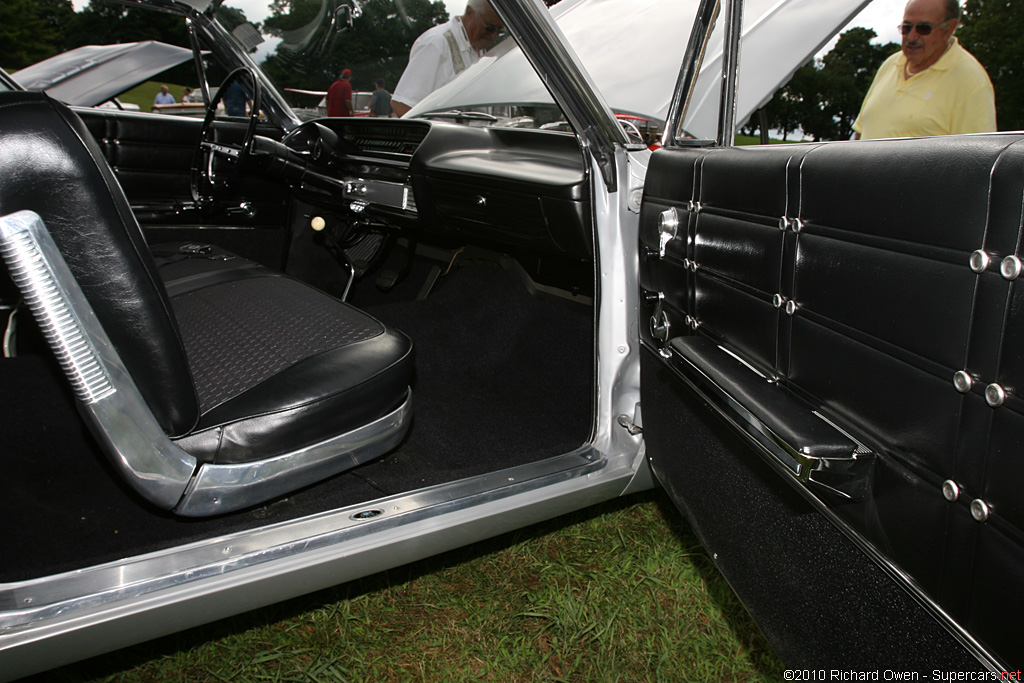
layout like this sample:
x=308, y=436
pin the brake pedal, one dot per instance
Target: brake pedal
x=386, y=280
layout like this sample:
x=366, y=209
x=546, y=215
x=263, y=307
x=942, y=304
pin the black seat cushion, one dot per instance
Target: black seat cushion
x=279, y=365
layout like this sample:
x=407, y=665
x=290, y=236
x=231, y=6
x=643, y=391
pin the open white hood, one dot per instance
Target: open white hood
x=92, y=74
x=778, y=37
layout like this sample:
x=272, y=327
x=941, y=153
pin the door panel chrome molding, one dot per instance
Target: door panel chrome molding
x=28, y=603
x=902, y=578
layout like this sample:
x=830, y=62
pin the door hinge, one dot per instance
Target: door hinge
x=634, y=425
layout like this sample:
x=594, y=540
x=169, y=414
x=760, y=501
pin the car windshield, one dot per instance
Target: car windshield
x=306, y=46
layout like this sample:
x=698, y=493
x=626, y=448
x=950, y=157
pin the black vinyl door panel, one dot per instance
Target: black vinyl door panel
x=838, y=328
x=152, y=155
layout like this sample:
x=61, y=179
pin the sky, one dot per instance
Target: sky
x=881, y=15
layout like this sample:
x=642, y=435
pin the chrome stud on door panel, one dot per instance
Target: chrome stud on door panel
x=787, y=223
x=1010, y=268
x=995, y=395
x=980, y=510
x=979, y=261
x=962, y=381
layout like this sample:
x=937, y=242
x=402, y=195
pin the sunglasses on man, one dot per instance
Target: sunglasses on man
x=923, y=28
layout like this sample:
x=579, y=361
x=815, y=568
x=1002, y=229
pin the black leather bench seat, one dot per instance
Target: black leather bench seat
x=230, y=310
x=242, y=384
x=333, y=367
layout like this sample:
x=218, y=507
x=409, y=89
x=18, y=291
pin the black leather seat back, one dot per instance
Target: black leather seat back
x=50, y=164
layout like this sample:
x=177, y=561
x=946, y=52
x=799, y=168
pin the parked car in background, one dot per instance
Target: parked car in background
x=361, y=101
x=94, y=75
x=247, y=358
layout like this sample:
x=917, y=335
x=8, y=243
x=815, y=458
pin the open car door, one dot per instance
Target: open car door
x=831, y=370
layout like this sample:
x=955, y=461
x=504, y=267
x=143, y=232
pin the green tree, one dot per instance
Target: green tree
x=102, y=23
x=31, y=30
x=378, y=45
x=794, y=104
x=991, y=31
x=849, y=69
x=824, y=96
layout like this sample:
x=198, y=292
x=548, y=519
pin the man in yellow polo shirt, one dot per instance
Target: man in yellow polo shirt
x=933, y=86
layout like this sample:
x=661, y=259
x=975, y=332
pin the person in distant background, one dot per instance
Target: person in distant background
x=443, y=52
x=164, y=96
x=339, y=96
x=380, y=101
x=235, y=98
x=932, y=86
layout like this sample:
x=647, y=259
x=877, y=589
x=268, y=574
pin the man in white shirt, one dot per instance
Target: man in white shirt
x=444, y=51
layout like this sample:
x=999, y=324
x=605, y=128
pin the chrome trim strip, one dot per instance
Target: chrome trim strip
x=216, y=489
x=65, y=595
x=902, y=578
x=27, y=260
x=377, y=192
x=136, y=445
x=693, y=58
x=847, y=476
x=730, y=74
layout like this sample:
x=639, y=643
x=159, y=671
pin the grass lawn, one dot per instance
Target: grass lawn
x=144, y=93
x=620, y=592
x=741, y=140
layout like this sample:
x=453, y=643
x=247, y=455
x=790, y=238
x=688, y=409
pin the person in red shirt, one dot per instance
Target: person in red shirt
x=339, y=96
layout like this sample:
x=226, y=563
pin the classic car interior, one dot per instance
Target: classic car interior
x=224, y=327
x=472, y=246
x=867, y=343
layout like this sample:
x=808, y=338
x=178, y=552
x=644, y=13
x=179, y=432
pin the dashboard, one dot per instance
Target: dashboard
x=514, y=187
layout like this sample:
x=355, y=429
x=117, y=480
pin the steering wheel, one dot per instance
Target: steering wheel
x=215, y=165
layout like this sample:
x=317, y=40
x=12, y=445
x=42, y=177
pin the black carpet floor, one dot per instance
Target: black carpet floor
x=502, y=378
